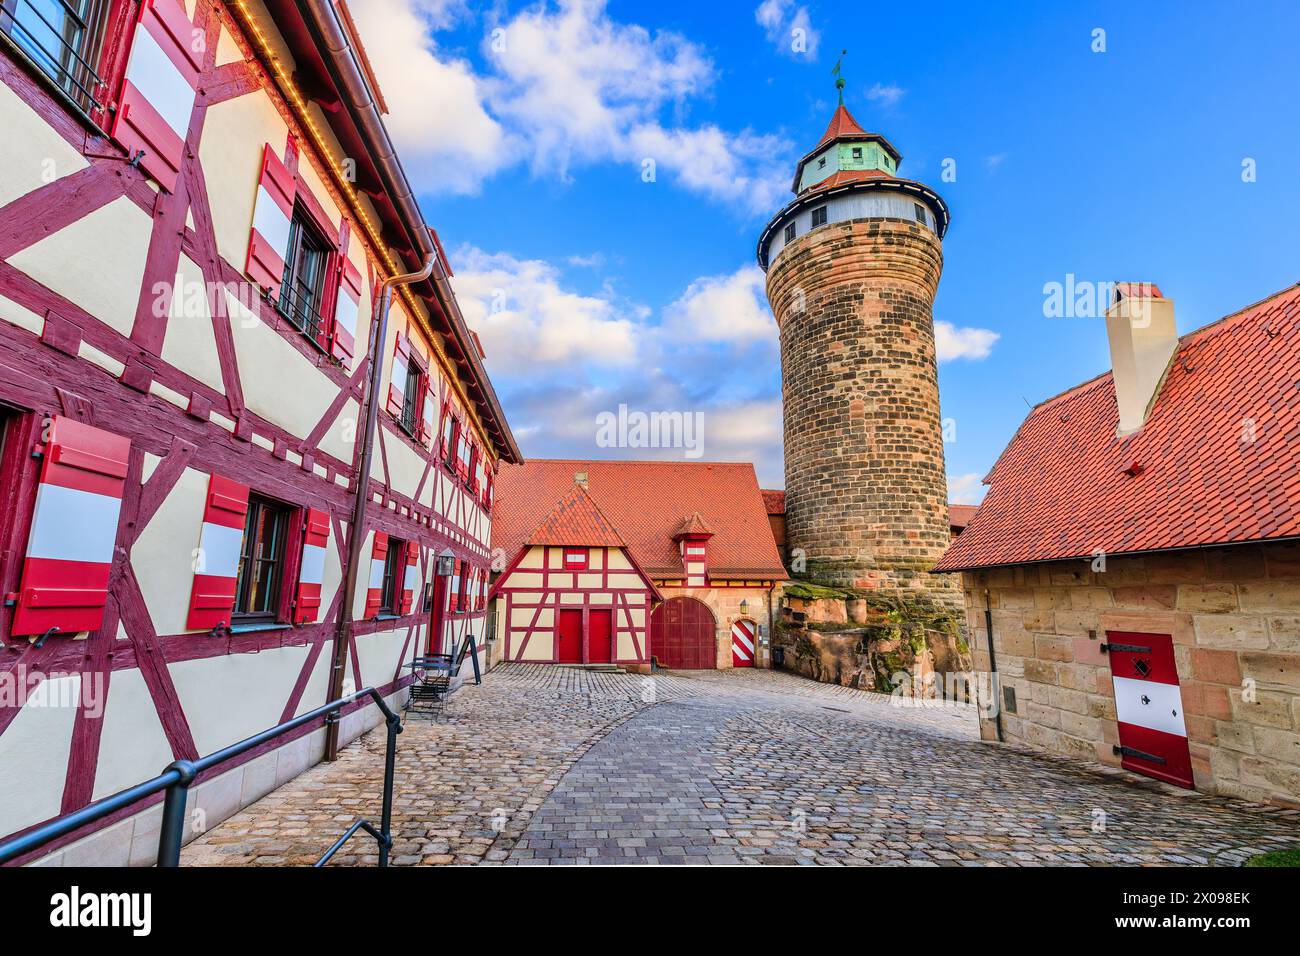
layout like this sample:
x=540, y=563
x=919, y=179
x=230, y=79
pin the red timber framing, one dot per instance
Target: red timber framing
x=77, y=369
x=550, y=587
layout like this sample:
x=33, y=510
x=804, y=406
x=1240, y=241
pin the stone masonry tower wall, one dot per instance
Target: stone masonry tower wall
x=866, y=492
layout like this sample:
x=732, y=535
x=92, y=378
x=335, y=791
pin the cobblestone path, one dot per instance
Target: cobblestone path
x=551, y=765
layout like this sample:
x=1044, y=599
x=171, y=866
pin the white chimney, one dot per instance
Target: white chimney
x=580, y=479
x=1143, y=339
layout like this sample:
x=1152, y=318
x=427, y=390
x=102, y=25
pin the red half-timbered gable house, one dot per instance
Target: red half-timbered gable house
x=627, y=561
x=199, y=208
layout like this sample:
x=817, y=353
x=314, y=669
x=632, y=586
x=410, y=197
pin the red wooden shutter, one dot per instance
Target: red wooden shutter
x=316, y=535
x=448, y=432
x=397, y=378
x=268, y=244
x=216, y=568
x=487, y=492
x=70, y=548
x=408, y=577
x=347, y=309
x=162, y=71
x=378, y=558
x=428, y=402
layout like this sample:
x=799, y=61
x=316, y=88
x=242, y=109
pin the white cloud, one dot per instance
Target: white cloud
x=566, y=87
x=443, y=133
x=966, y=489
x=742, y=169
x=529, y=323
x=962, y=343
x=788, y=27
x=886, y=96
x=725, y=308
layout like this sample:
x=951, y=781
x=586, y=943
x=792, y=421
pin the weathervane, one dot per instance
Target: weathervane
x=839, y=77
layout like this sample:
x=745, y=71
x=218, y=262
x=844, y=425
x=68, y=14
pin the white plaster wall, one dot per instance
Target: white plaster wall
x=378, y=655
x=340, y=439
x=34, y=754
x=234, y=696
x=132, y=745
x=31, y=152
x=314, y=694
x=234, y=134
x=191, y=343
x=405, y=466
x=18, y=315
x=280, y=383
x=162, y=556
x=115, y=238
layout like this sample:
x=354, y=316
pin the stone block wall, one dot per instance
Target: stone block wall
x=866, y=493
x=1234, y=615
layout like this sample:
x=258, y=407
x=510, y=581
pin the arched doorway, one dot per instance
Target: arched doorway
x=683, y=634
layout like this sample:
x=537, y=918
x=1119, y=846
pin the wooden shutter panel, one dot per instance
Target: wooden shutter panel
x=429, y=402
x=408, y=577
x=397, y=377
x=216, y=569
x=70, y=548
x=375, y=591
x=162, y=71
x=316, y=536
x=268, y=244
x=448, y=432
x=347, y=309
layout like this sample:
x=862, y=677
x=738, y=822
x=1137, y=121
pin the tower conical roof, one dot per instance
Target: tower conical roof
x=842, y=124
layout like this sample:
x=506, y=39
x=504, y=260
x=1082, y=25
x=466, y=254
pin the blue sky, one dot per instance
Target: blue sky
x=527, y=130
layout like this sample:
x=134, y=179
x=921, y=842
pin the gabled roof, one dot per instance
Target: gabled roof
x=693, y=525
x=774, y=499
x=576, y=521
x=644, y=502
x=1218, y=460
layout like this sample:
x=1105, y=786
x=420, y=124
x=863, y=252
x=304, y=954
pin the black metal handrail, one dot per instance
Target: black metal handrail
x=178, y=776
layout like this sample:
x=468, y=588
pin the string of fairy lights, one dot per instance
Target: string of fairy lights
x=298, y=103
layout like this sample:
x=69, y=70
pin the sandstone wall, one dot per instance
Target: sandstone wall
x=1234, y=614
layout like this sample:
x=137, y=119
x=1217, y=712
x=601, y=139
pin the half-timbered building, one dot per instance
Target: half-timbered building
x=199, y=209
x=629, y=562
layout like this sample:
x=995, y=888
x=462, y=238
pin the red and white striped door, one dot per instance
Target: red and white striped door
x=744, y=635
x=1149, y=706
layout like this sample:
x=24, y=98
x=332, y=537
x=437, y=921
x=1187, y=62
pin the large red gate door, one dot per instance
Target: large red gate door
x=683, y=635
x=743, y=635
x=1149, y=706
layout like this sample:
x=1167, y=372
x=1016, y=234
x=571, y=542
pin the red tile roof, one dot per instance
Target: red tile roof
x=959, y=515
x=645, y=502
x=774, y=499
x=693, y=525
x=842, y=124
x=1217, y=459
x=576, y=521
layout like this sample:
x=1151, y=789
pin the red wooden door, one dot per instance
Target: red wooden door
x=600, y=637
x=433, y=641
x=683, y=635
x=1149, y=706
x=568, y=648
x=744, y=635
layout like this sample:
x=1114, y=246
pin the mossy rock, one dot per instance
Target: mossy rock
x=1289, y=857
x=807, y=591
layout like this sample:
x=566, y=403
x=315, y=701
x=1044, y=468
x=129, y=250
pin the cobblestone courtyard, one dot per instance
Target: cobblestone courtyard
x=550, y=765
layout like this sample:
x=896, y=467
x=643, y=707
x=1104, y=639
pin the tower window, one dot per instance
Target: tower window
x=789, y=233
x=857, y=153
x=920, y=213
x=819, y=217
x=821, y=163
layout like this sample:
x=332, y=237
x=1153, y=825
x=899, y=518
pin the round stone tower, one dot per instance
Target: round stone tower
x=852, y=266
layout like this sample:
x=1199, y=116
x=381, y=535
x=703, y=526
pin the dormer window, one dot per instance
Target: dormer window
x=789, y=233
x=819, y=217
